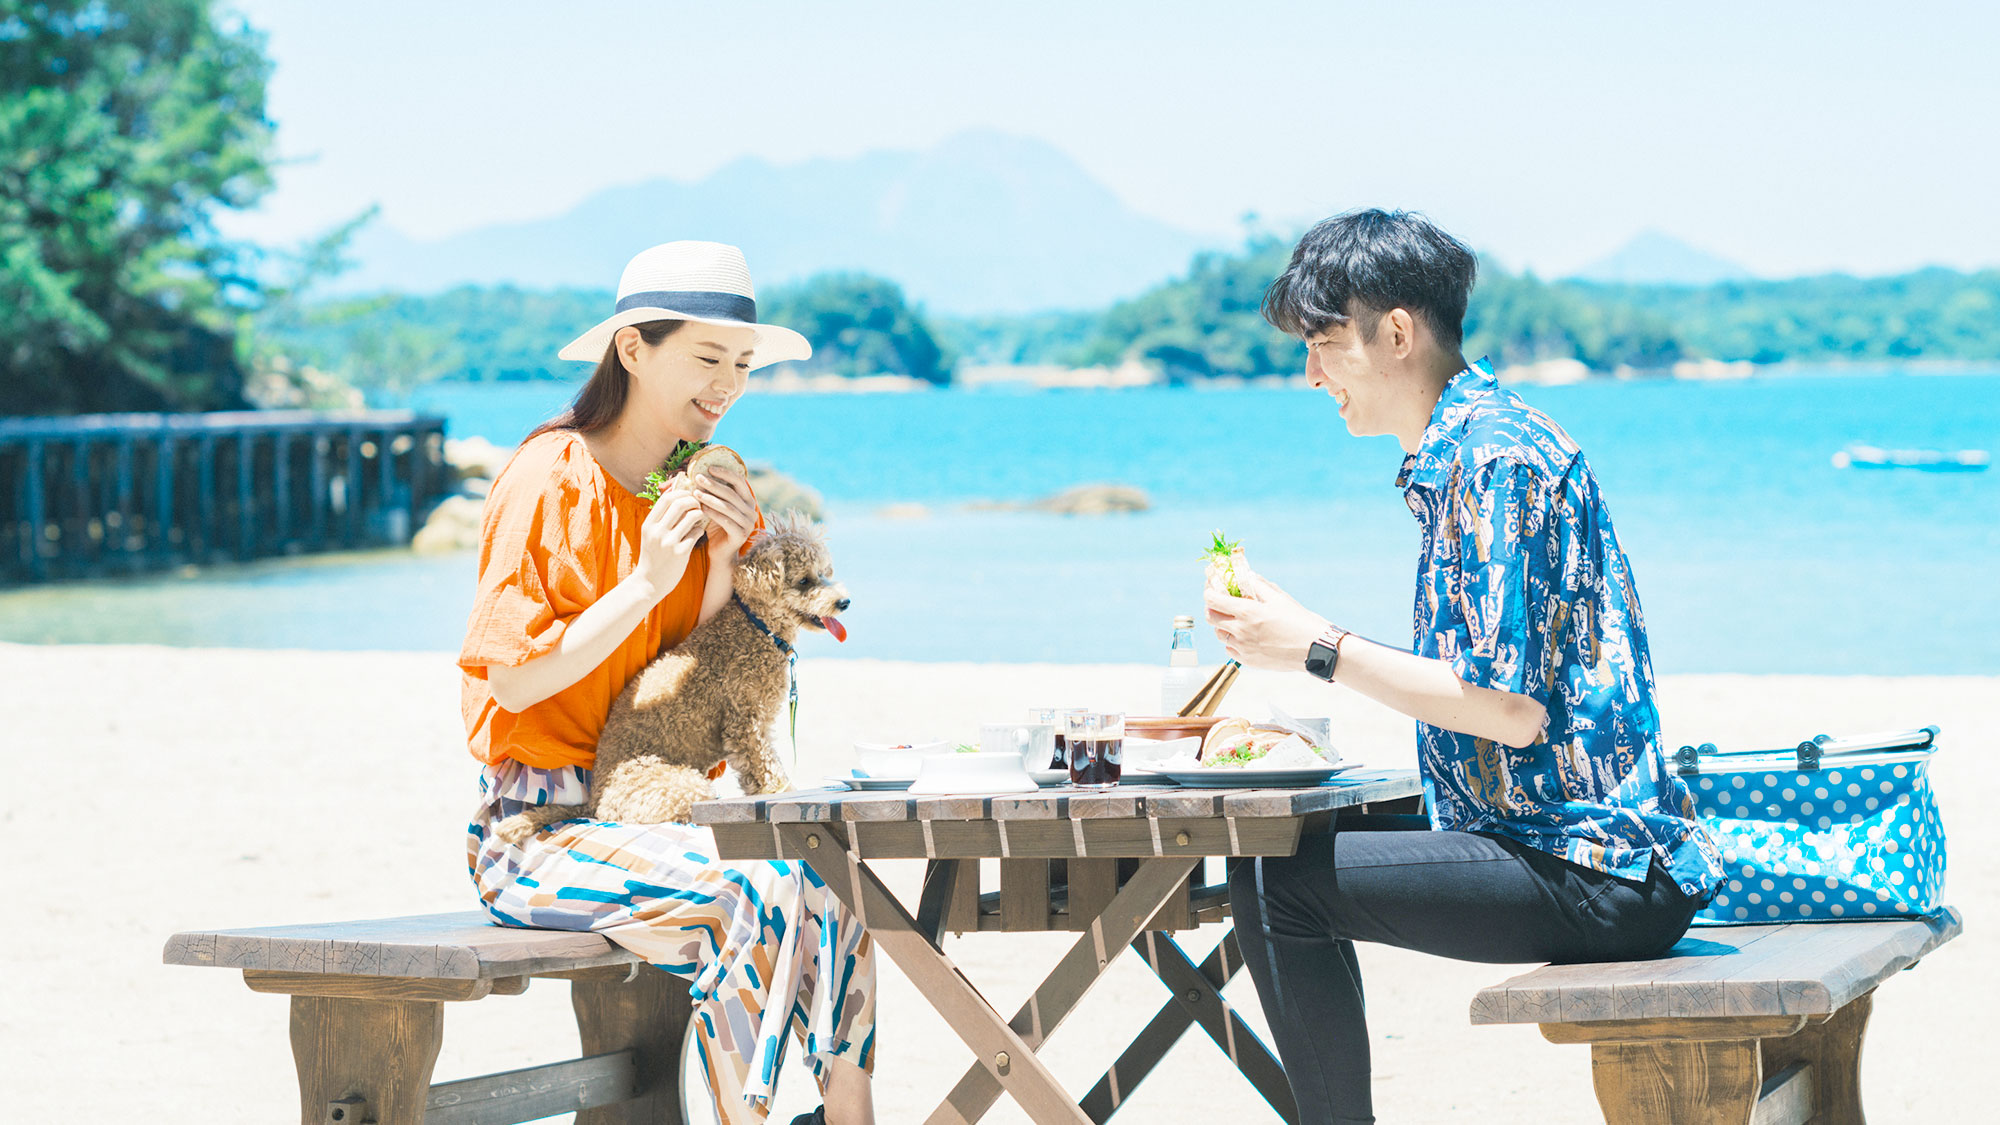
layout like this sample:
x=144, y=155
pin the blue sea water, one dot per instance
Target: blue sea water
x=1752, y=551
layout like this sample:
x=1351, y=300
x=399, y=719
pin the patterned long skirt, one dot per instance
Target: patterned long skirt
x=770, y=952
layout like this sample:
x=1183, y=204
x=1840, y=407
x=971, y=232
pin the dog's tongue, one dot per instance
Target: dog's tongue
x=834, y=627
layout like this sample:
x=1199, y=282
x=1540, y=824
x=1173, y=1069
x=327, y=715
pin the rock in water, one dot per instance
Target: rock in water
x=475, y=457
x=453, y=526
x=1094, y=500
x=777, y=492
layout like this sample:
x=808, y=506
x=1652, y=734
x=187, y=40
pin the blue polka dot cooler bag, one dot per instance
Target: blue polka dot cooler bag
x=1834, y=829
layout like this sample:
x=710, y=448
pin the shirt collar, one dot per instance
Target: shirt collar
x=1431, y=463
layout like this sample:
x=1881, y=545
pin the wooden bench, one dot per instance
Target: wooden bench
x=1736, y=1024
x=367, y=1018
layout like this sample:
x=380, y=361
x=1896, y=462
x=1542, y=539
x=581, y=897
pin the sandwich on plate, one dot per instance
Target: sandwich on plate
x=1240, y=744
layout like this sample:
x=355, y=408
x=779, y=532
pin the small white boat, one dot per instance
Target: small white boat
x=1925, y=460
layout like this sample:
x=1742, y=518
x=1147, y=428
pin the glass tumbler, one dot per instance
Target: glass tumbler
x=1057, y=718
x=1096, y=747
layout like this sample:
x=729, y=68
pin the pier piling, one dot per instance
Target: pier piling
x=109, y=494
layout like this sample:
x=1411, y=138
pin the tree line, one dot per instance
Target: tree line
x=1202, y=325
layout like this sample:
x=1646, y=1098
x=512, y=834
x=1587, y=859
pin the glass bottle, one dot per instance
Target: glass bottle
x=1182, y=678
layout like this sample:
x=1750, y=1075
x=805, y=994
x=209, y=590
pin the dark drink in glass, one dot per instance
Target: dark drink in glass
x=1095, y=746
x=1096, y=762
x=1056, y=717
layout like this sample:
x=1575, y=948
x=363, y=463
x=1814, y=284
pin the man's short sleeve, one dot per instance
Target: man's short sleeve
x=1507, y=581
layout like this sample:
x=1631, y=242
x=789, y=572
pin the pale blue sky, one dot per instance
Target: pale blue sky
x=1791, y=137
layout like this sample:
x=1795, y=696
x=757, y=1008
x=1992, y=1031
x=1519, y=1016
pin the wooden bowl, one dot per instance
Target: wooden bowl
x=1164, y=727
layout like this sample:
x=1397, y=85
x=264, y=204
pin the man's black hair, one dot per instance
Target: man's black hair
x=1370, y=262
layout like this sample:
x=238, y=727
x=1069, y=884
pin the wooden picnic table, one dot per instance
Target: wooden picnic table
x=1119, y=867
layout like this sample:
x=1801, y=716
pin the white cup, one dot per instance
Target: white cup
x=1035, y=743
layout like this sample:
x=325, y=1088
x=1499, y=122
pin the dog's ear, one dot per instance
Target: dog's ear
x=762, y=570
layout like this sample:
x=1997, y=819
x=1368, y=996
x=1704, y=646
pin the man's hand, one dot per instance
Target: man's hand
x=1266, y=627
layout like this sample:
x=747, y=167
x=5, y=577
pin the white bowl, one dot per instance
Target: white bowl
x=890, y=759
x=973, y=773
x=1148, y=754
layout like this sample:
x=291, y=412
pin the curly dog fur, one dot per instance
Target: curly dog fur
x=713, y=697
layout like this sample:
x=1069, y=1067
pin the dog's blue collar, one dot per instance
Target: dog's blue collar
x=791, y=666
x=784, y=646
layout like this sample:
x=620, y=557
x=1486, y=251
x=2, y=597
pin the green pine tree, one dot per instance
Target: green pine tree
x=123, y=126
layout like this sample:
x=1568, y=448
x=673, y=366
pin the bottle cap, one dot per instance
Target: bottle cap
x=1183, y=622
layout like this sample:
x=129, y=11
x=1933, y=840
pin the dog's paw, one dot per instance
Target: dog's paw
x=514, y=829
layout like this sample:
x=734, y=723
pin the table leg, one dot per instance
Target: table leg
x=941, y=878
x=1197, y=993
x=1004, y=1054
x=1105, y=936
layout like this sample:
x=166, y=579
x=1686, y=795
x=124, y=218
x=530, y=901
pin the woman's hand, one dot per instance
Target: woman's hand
x=668, y=539
x=1266, y=627
x=731, y=510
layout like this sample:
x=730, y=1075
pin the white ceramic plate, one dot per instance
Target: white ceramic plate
x=872, y=784
x=1253, y=779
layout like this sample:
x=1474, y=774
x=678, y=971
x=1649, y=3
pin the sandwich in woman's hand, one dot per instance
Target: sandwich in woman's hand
x=690, y=459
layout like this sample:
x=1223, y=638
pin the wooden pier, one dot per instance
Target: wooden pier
x=111, y=494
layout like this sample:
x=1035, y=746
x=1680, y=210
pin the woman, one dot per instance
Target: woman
x=581, y=584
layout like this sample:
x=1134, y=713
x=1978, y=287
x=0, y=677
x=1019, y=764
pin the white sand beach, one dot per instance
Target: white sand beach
x=197, y=789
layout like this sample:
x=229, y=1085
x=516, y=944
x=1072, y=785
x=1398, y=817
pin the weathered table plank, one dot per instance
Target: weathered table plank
x=1124, y=802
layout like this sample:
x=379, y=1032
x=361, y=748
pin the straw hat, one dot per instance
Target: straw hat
x=706, y=282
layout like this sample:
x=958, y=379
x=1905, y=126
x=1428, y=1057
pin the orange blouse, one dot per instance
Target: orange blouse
x=558, y=534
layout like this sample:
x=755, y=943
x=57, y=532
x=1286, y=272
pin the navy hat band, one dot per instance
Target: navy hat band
x=691, y=302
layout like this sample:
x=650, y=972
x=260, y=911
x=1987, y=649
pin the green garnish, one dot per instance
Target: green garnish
x=1243, y=753
x=967, y=748
x=1222, y=553
x=656, y=481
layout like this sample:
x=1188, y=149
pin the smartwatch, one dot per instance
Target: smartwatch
x=1324, y=653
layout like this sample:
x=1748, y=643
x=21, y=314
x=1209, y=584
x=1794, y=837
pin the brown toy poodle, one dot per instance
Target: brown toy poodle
x=714, y=697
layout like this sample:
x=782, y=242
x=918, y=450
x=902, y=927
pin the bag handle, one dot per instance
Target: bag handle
x=1810, y=752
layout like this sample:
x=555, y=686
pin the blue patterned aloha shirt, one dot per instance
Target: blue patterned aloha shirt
x=1522, y=587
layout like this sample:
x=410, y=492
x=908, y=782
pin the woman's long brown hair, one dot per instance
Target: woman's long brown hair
x=602, y=399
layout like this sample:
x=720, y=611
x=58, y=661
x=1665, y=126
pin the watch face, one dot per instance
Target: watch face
x=1319, y=660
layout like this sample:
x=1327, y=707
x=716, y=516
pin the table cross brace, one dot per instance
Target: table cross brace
x=1006, y=1058
x=1056, y=997
x=1197, y=998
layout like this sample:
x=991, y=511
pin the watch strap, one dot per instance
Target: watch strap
x=1323, y=655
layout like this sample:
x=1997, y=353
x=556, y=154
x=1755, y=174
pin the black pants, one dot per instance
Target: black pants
x=1390, y=879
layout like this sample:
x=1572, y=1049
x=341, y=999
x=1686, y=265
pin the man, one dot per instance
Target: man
x=1556, y=830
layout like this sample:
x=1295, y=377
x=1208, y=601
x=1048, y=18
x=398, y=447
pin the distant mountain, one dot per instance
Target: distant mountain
x=982, y=223
x=1654, y=258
